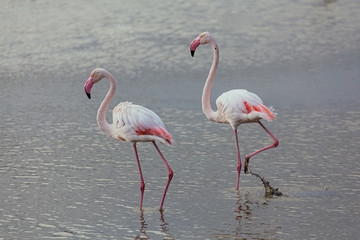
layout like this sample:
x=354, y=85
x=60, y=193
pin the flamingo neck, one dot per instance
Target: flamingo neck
x=206, y=107
x=101, y=114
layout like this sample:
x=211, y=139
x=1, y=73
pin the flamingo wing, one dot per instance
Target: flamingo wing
x=244, y=104
x=140, y=122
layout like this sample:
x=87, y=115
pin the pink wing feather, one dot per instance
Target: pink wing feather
x=142, y=120
x=243, y=102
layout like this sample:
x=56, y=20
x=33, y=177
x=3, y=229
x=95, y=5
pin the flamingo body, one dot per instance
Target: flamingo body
x=132, y=123
x=135, y=123
x=235, y=106
x=241, y=106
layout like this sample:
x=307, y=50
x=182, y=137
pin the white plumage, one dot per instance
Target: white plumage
x=241, y=106
x=135, y=123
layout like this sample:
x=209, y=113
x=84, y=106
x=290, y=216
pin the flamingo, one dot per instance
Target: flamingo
x=235, y=106
x=132, y=123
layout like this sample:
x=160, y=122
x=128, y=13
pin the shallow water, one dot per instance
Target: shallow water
x=61, y=178
x=68, y=180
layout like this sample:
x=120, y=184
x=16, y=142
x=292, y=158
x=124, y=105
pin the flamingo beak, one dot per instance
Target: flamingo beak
x=88, y=85
x=194, y=45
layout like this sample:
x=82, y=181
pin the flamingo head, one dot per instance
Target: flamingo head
x=95, y=76
x=203, y=38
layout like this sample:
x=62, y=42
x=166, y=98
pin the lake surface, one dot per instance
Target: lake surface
x=61, y=178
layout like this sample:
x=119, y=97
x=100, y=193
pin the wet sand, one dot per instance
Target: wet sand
x=61, y=178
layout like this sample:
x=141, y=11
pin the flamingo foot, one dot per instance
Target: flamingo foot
x=246, y=164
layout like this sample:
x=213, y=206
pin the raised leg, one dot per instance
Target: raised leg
x=142, y=185
x=238, y=167
x=275, y=144
x=170, y=176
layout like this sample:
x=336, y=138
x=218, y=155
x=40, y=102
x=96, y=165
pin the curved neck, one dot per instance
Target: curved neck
x=101, y=114
x=206, y=107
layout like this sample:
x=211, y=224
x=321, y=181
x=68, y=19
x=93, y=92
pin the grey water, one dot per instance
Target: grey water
x=61, y=178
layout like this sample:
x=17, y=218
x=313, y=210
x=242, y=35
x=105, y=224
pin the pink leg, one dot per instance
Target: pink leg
x=275, y=144
x=142, y=186
x=238, y=167
x=170, y=176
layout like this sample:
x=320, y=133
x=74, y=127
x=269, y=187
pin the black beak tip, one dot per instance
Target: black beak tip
x=88, y=95
x=192, y=53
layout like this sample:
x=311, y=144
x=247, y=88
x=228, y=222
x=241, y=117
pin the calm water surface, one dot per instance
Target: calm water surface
x=61, y=178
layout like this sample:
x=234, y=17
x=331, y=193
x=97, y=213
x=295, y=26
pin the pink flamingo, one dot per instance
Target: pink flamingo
x=132, y=123
x=235, y=106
